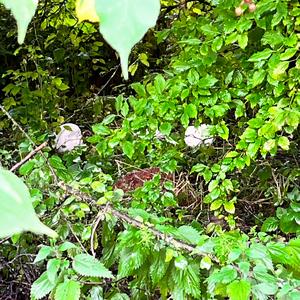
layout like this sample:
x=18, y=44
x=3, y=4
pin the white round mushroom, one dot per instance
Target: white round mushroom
x=195, y=136
x=68, y=138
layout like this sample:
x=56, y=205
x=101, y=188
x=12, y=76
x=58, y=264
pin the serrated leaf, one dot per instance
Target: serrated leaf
x=239, y=290
x=124, y=23
x=42, y=287
x=68, y=290
x=189, y=234
x=158, y=267
x=87, y=265
x=86, y=10
x=17, y=213
x=53, y=266
x=23, y=11
x=96, y=293
x=270, y=224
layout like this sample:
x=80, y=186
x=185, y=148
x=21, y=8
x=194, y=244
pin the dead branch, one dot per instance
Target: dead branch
x=27, y=157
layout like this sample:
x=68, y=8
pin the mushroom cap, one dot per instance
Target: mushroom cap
x=68, y=138
x=195, y=136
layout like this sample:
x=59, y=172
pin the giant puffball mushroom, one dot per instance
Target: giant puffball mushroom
x=195, y=136
x=68, y=138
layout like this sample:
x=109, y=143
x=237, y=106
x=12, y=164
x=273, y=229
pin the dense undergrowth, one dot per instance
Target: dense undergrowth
x=168, y=221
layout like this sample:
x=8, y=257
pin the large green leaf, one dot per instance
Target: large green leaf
x=23, y=11
x=239, y=290
x=16, y=210
x=68, y=290
x=87, y=265
x=41, y=287
x=123, y=23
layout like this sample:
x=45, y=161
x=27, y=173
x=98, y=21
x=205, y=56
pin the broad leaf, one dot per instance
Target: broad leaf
x=123, y=23
x=23, y=11
x=239, y=290
x=87, y=265
x=68, y=290
x=41, y=287
x=17, y=213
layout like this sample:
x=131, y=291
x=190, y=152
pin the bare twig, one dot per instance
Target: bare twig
x=127, y=219
x=31, y=141
x=100, y=217
x=27, y=157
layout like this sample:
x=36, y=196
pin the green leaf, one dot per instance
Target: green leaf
x=270, y=224
x=159, y=83
x=87, y=265
x=128, y=148
x=216, y=205
x=191, y=110
x=262, y=55
x=243, y=40
x=17, y=213
x=229, y=207
x=258, y=77
x=26, y=168
x=165, y=128
x=239, y=290
x=120, y=296
x=279, y=70
x=284, y=143
x=217, y=44
x=68, y=290
x=288, y=53
x=189, y=234
x=23, y=11
x=207, y=81
x=205, y=263
x=123, y=23
x=41, y=287
x=96, y=293
x=43, y=253
x=158, y=266
x=53, y=266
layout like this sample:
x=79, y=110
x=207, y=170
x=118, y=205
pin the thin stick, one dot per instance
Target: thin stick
x=100, y=217
x=28, y=156
x=127, y=219
x=31, y=141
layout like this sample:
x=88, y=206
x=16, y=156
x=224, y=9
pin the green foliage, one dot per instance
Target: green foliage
x=17, y=213
x=23, y=11
x=124, y=22
x=216, y=221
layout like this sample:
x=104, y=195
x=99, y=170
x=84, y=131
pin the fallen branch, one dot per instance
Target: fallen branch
x=133, y=222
